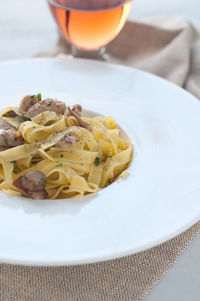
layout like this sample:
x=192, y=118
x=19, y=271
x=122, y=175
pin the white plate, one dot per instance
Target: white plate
x=159, y=199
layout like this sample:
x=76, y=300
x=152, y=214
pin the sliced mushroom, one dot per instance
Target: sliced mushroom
x=76, y=108
x=13, y=113
x=47, y=105
x=79, y=120
x=10, y=113
x=27, y=102
x=10, y=138
x=38, y=195
x=3, y=148
x=32, y=184
x=67, y=141
x=34, y=181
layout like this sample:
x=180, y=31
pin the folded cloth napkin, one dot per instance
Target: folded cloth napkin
x=168, y=47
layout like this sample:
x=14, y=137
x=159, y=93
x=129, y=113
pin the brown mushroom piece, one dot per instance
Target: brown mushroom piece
x=76, y=108
x=48, y=104
x=67, y=141
x=80, y=121
x=3, y=148
x=27, y=102
x=32, y=184
x=10, y=138
x=34, y=181
x=10, y=113
x=38, y=195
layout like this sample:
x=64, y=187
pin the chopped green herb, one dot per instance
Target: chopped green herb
x=59, y=164
x=61, y=155
x=6, y=141
x=41, y=179
x=15, y=139
x=39, y=96
x=32, y=103
x=49, y=103
x=43, y=185
x=13, y=161
x=32, y=96
x=97, y=161
x=110, y=156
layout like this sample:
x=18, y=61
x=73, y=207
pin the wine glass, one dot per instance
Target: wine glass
x=89, y=25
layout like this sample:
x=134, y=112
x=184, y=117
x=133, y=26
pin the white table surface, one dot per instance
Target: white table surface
x=26, y=28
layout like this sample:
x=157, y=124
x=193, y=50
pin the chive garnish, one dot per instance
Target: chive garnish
x=32, y=96
x=110, y=156
x=15, y=139
x=32, y=103
x=39, y=96
x=61, y=155
x=13, y=161
x=6, y=141
x=43, y=185
x=49, y=103
x=97, y=161
x=60, y=164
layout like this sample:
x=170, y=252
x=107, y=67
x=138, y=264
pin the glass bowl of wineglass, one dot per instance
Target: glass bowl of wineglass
x=89, y=25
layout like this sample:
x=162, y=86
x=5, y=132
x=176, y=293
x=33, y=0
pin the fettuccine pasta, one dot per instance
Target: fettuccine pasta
x=66, y=154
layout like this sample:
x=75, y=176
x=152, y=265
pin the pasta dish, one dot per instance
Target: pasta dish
x=49, y=150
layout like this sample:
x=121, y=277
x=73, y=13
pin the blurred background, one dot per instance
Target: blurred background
x=27, y=27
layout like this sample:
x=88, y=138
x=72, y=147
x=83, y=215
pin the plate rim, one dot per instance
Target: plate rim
x=112, y=65
x=99, y=258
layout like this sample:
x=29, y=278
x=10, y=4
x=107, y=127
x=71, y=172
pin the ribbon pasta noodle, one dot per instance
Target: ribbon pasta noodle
x=95, y=159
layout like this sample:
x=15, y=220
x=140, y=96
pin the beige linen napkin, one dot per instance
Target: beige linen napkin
x=168, y=47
